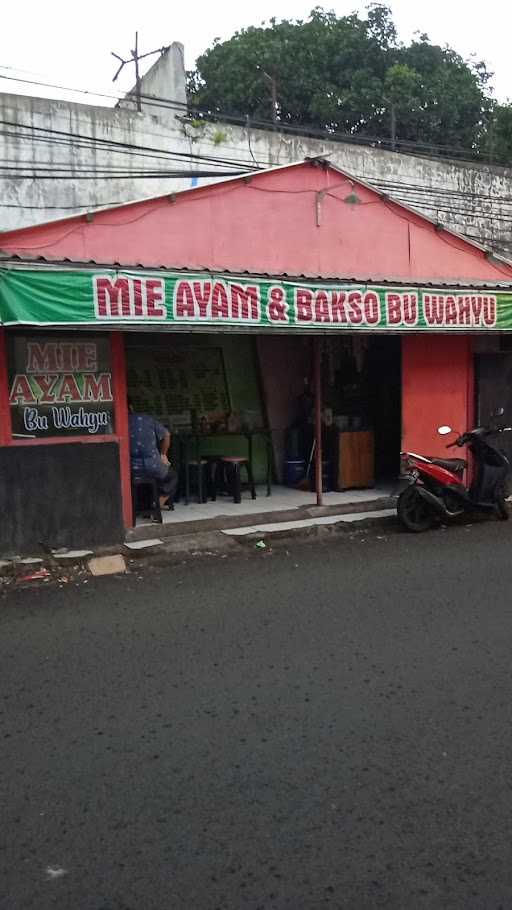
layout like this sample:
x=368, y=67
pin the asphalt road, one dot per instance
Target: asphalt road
x=328, y=726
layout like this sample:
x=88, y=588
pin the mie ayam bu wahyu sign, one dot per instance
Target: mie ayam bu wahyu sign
x=210, y=300
x=81, y=297
x=59, y=386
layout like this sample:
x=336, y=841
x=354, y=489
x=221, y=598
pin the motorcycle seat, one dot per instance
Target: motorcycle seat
x=455, y=465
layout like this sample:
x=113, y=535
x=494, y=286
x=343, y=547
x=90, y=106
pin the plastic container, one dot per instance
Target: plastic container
x=294, y=470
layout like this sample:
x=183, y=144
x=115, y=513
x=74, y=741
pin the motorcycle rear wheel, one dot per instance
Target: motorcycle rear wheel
x=414, y=513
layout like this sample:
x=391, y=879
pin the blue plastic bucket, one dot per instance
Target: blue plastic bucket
x=294, y=471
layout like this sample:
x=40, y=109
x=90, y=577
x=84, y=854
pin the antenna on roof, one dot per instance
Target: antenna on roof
x=135, y=57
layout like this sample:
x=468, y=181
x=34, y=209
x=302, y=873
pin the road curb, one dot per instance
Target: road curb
x=15, y=572
x=217, y=543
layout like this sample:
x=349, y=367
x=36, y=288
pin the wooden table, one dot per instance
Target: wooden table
x=191, y=442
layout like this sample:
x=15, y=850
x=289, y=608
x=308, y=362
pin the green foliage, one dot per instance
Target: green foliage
x=497, y=138
x=219, y=137
x=350, y=74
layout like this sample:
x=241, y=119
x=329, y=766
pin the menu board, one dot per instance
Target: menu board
x=178, y=385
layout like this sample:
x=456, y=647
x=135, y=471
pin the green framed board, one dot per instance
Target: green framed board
x=179, y=384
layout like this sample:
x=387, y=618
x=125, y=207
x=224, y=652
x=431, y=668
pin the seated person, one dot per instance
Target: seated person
x=149, y=446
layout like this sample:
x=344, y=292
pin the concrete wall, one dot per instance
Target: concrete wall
x=478, y=197
x=38, y=133
x=164, y=79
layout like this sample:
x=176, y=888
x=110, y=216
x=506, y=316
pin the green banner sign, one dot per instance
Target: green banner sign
x=111, y=298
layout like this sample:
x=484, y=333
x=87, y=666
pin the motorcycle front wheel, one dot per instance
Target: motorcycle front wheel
x=414, y=513
x=501, y=504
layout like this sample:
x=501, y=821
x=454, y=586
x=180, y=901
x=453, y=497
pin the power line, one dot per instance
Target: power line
x=61, y=88
x=99, y=170
x=450, y=206
x=142, y=176
x=113, y=144
x=435, y=150
x=70, y=145
x=418, y=188
x=49, y=135
x=405, y=191
x=73, y=208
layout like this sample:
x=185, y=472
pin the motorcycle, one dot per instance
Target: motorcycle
x=435, y=489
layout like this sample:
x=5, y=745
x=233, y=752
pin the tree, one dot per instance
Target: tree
x=381, y=26
x=497, y=139
x=450, y=97
x=328, y=71
x=348, y=74
x=402, y=91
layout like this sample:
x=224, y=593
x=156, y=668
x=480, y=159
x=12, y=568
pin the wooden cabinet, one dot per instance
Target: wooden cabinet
x=356, y=460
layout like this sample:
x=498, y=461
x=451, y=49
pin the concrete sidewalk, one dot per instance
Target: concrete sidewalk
x=221, y=535
x=221, y=541
x=285, y=506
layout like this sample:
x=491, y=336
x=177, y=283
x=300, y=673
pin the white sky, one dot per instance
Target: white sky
x=71, y=43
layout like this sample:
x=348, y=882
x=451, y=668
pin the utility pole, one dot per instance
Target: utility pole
x=273, y=87
x=135, y=58
x=393, y=127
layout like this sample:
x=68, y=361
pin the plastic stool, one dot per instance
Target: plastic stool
x=233, y=465
x=197, y=466
x=139, y=484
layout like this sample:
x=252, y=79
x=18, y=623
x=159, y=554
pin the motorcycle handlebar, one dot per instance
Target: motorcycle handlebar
x=462, y=440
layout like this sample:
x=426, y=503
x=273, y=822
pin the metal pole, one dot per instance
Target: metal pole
x=317, y=355
x=393, y=127
x=273, y=83
x=137, y=74
x=274, y=100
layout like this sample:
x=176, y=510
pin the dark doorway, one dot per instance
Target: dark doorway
x=494, y=390
x=385, y=363
x=361, y=388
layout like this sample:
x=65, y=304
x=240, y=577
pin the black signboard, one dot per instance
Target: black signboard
x=60, y=386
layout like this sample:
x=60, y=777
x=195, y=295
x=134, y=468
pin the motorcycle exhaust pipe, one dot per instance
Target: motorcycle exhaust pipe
x=433, y=501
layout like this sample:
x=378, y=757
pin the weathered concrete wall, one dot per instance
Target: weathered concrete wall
x=474, y=199
x=76, y=144
x=164, y=79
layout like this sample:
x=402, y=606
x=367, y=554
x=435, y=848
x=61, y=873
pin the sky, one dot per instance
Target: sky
x=70, y=44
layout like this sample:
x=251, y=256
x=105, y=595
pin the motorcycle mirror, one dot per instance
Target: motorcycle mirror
x=444, y=430
x=498, y=412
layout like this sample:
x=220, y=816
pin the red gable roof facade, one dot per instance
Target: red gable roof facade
x=308, y=219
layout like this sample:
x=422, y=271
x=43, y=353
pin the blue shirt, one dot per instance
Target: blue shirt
x=146, y=434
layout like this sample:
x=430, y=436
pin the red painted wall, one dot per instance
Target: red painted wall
x=122, y=427
x=437, y=388
x=5, y=410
